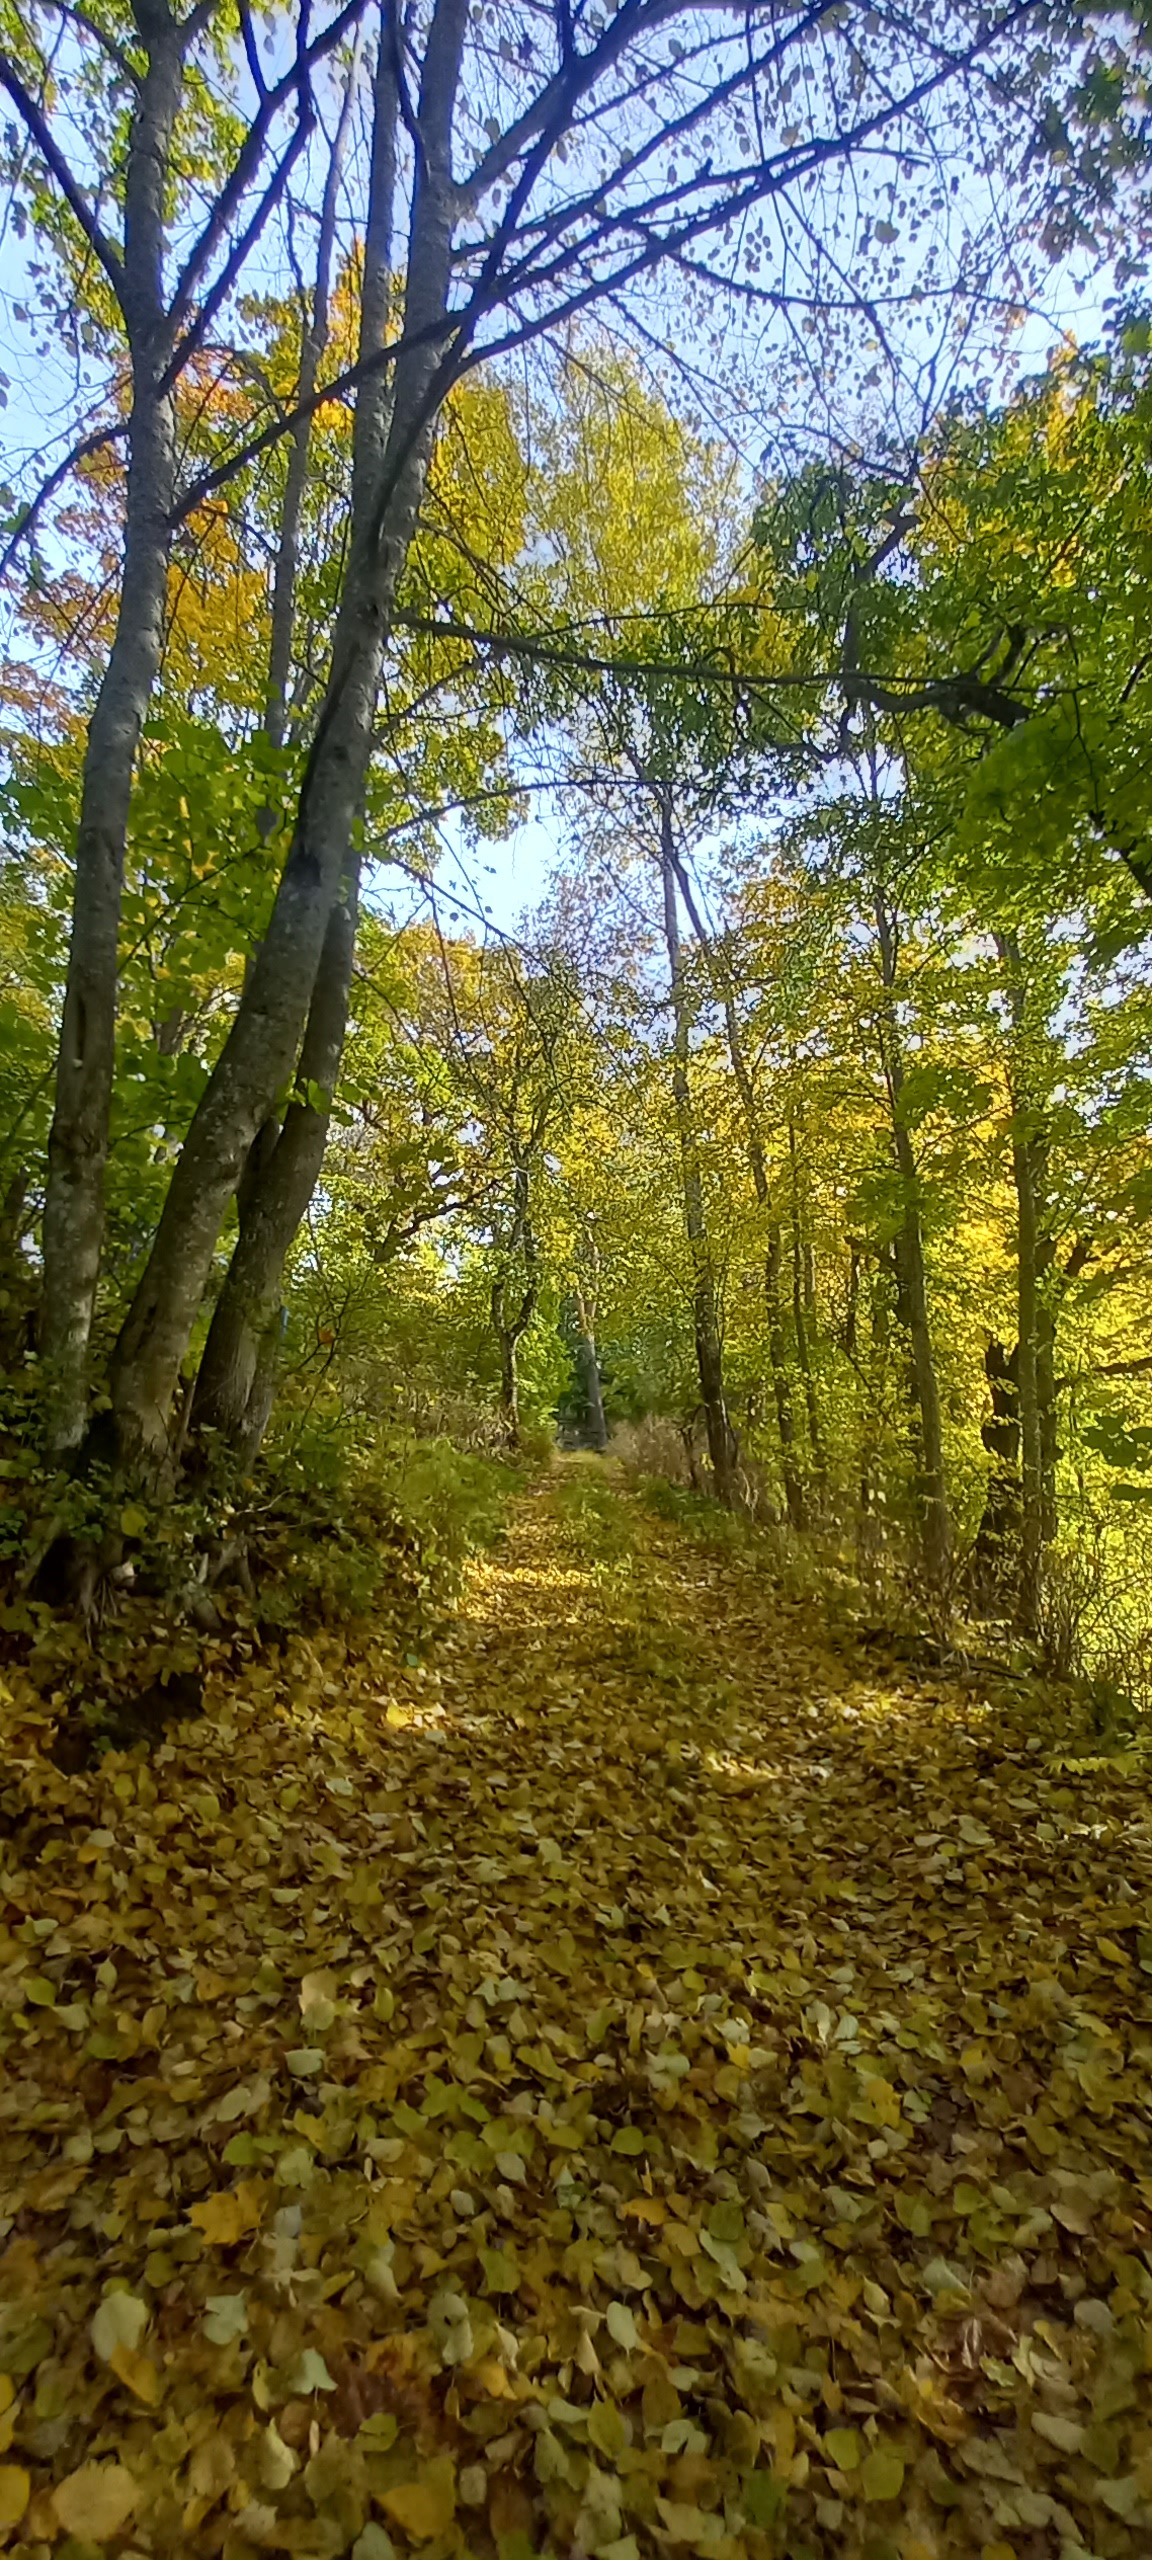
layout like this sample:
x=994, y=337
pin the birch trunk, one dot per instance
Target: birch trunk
x=73, y=1225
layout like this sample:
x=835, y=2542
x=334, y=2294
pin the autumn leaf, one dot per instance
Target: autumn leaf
x=225, y=2318
x=119, y=2323
x=882, y=2473
x=15, y=2491
x=138, y=2374
x=440, y=2260
x=424, y=2507
x=95, y=2502
x=225, y=2218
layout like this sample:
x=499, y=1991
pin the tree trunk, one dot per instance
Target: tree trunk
x=1028, y=1382
x=589, y=1368
x=758, y=1167
x=246, y=1325
x=995, y=1555
x=936, y=1521
x=1035, y=1346
x=509, y=1383
x=801, y=1300
x=1046, y=1388
x=73, y=1225
x=235, y=1386
x=781, y=1383
x=259, y=1056
x=510, y=1328
x=314, y=339
x=706, y=1320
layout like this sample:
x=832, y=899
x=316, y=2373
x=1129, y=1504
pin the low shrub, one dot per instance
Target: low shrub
x=117, y=1607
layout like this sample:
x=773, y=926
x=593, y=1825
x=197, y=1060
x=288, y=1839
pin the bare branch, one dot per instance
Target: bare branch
x=28, y=517
x=248, y=160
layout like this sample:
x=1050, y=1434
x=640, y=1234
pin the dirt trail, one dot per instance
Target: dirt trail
x=640, y=2083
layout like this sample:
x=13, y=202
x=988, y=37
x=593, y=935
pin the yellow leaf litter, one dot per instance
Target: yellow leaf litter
x=643, y=2082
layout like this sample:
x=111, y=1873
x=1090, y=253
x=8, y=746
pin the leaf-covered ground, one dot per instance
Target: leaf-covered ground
x=643, y=2083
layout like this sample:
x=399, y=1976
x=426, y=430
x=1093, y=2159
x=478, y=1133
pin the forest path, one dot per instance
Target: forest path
x=643, y=2083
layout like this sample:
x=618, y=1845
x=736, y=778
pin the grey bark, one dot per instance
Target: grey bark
x=259, y=1057
x=936, y=1520
x=73, y=1226
x=235, y=1384
x=705, y=1310
x=237, y=1369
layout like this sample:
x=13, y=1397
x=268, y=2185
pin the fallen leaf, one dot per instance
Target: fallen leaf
x=882, y=2473
x=318, y=1997
x=225, y=2217
x=1066, y=2433
x=225, y=2318
x=120, y=2322
x=425, y=2507
x=138, y=2374
x=95, y=2502
x=15, y=2491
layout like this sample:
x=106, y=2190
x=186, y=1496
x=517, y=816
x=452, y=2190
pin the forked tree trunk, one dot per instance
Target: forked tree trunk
x=73, y=1225
x=259, y=1057
x=936, y=1520
x=705, y=1309
x=238, y=1364
x=235, y=1385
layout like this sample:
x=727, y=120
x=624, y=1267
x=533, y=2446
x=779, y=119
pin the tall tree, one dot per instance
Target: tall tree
x=706, y=1309
x=163, y=320
x=509, y=247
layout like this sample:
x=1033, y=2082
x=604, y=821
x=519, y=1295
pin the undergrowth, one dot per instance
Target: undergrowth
x=115, y=1608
